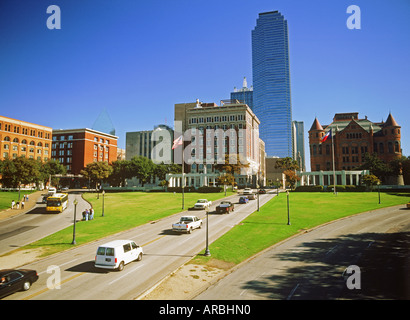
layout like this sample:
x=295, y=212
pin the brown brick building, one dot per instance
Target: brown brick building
x=75, y=148
x=20, y=138
x=353, y=138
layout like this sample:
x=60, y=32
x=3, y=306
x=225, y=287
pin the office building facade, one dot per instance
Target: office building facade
x=20, y=138
x=75, y=148
x=271, y=83
x=243, y=95
x=298, y=140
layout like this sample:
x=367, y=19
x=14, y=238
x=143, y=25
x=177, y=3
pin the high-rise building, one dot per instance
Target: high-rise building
x=298, y=139
x=271, y=83
x=244, y=95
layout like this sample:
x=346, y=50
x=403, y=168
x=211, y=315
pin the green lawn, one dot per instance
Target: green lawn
x=7, y=196
x=269, y=226
x=122, y=211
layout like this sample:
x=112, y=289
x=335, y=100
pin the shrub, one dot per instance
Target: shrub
x=309, y=189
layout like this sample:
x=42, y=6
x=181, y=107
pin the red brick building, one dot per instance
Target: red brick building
x=20, y=138
x=75, y=148
x=353, y=138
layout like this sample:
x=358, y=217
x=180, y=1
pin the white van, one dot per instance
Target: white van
x=116, y=254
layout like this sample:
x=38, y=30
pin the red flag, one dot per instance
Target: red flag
x=177, y=142
x=326, y=136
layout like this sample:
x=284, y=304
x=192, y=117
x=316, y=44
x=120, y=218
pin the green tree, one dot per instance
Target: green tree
x=287, y=164
x=51, y=167
x=370, y=180
x=375, y=165
x=121, y=170
x=142, y=168
x=97, y=172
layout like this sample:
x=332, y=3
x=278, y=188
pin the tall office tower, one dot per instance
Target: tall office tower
x=271, y=83
x=298, y=144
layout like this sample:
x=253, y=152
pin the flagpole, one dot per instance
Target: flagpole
x=333, y=160
x=183, y=177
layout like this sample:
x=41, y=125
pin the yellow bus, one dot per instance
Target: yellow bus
x=57, y=202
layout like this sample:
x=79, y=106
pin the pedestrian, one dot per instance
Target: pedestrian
x=91, y=214
x=27, y=197
x=86, y=214
x=22, y=204
x=18, y=205
x=12, y=204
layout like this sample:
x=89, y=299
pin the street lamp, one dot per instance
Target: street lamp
x=378, y=189
x=75, y=218
x=207, y=252
x=287, y=193
x=103, y=193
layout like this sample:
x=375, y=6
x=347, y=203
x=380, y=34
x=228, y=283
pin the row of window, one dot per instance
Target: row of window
x=25, y=131
x=23, y=149
x=239, y=117
x=15, y=155
x=377, y=147
x=24, y=141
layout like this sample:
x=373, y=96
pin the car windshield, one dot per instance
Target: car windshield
x=186, y=219
x=225, y=202
x=201, y=201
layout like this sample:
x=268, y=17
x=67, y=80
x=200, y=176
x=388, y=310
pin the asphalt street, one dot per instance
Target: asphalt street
x=313, y=265
x=72, y=275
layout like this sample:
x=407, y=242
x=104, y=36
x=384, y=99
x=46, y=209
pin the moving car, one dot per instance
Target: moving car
x=262, y=191
x=187, y=224
x=202, y=204
x=251, y=196
x=247, y=191
x=15, y=280
x=225, y=207
x=116, y=254
x=243, y=199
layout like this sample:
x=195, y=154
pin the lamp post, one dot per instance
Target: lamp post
x=378, y=189
x=75, y=218
x=207, y=252
x=287, y=193
x=103, y=193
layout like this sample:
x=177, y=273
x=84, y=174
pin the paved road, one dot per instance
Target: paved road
x=311, y=265
x=37, y=223
x=164, y=252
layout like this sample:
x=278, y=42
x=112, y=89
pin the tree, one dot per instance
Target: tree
x=51, y=167
x=142, y=168
x=291, y=177
x=375, y=165
x=121, y=170
x=97, y=172
x=287, y=164
x=160, y=170
x=231, y=165
x=370, y=180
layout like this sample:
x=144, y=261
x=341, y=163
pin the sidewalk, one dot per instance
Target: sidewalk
x=28, y=205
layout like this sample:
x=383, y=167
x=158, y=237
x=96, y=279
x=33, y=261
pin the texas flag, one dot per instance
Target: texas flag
x=177, y=142
x=326, y=136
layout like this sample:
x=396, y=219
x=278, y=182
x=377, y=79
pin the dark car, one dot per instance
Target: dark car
x=225, y=207
x=262, y=191
x=16, y=280
x=243, y=199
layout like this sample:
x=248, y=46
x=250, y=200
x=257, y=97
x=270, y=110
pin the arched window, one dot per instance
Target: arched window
x=39, y=144
x=6, y=138
x=16, y=140
x=390, y=146
x=24, y=141
x=32, y=143
x=314, y=149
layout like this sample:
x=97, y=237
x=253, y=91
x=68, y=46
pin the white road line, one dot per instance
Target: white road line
x=124, y=275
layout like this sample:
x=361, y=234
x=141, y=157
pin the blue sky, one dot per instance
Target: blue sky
x=138, y=58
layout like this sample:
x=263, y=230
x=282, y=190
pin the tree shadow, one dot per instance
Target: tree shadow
x=316, y=270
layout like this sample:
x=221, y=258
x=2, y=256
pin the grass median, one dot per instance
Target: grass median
x=269, y=226
x=122, y=211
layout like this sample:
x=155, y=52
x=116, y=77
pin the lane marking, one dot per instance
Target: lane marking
x=292, y=292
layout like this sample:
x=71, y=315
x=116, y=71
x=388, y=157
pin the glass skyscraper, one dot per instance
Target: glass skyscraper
x=271, y=83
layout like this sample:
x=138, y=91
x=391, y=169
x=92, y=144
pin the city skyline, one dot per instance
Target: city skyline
x=137, y=60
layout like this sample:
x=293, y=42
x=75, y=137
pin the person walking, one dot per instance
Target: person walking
x=12, y=204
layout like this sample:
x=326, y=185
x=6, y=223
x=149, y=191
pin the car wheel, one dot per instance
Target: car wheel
x=121, y=266
x=26, y=285
x=139, y=257
x=200, y=226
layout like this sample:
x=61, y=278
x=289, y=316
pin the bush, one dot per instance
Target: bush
x=209, y=189
x=348, y=188
x=309, y=189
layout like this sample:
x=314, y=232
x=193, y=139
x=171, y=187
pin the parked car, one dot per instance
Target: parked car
x=187, y=224
x=262, y=191
x=247, y=191
x=243, y=199
x=116, y=254
x=202, y=204
x=251, y=196
x=225, y=207
x=15, y=280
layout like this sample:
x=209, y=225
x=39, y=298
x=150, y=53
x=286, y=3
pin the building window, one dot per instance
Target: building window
x=396, y=146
